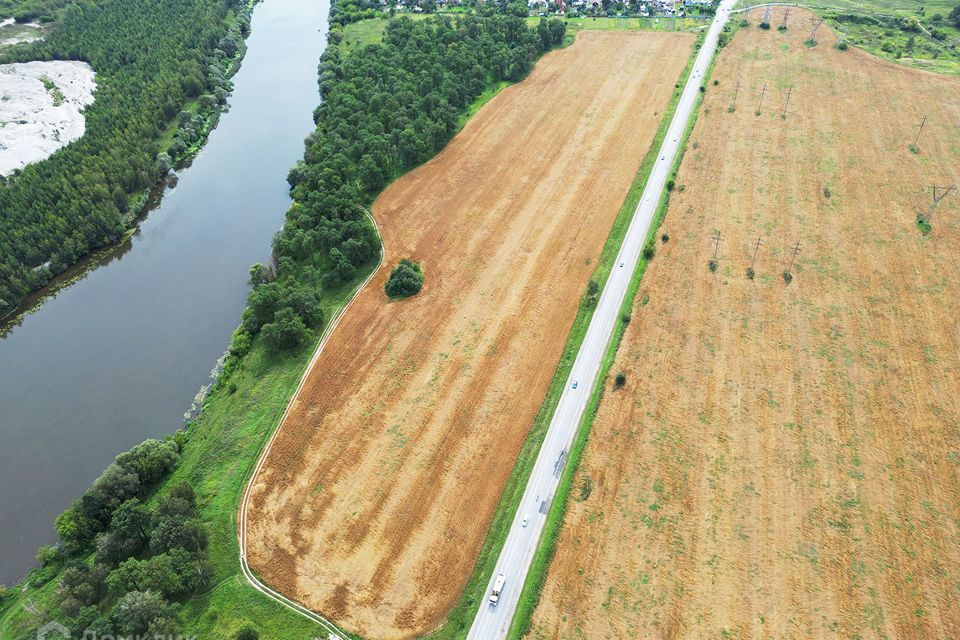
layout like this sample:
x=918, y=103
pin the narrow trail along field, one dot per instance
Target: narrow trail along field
x=377, y=494
x=784, y=460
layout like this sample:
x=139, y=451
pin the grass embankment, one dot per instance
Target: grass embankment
x=884, y=28
x=536, y=577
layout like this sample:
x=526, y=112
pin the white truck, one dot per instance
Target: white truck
x=497, y=588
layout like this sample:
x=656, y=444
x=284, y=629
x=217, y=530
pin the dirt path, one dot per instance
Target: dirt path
x=783, y=461
x=375, y=499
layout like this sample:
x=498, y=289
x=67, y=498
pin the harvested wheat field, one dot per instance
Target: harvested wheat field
x=784, y=460
x=376, y=496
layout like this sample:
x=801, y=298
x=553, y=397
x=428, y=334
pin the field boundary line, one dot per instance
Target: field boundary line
x=255, y=582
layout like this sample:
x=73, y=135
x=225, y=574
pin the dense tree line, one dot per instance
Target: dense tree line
x=151, y=56
x=386, y=109
x=125, y=562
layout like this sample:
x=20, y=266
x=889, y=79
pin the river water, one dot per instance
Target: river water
x=118, y=356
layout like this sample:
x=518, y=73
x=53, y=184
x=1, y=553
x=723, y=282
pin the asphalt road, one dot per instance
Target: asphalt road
x=493, y=622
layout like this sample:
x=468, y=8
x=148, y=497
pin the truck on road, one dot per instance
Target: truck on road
x=497, y=588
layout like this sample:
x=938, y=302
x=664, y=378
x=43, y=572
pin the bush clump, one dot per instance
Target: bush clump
x=620, y=380
x=405, y=280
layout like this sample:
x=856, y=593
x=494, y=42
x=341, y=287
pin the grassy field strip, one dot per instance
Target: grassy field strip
x=533, y=585
x=462, y=614
x=242, y=517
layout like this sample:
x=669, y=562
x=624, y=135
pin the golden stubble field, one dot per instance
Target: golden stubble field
x=376, y=496
x=784, y=461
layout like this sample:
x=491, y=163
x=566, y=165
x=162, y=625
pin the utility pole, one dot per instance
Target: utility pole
x=944, y=192
x=766, y=15
x=816, y=25
x=736, y=92
x=919, y=130
x=795, y=249
x=763, y=92
x=716, y=243
x=756, y=247
x=786, y=14
x=789, y=91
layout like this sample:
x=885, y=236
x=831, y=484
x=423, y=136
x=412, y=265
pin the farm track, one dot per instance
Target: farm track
x=374, y=499
x=782, y=461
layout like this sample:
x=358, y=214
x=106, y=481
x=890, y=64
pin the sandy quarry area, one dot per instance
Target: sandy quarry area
x=12, y=32
x=784, y=461
x=376, y=497
x=36, y=120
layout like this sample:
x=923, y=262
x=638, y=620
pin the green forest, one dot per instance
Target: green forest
x=151, y=58
x=386, y=108
x=150, y=547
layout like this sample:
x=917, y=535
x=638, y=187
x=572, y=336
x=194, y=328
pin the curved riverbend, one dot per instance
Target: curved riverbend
x=117, y=356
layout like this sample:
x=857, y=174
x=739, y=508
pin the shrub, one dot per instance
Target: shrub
x=620, y=380
x=286, y=332
x=48, y=555
x=671, y=183
x=405, y=280
x=248, y=632
x=649, y=250
x=665, y=238
x=787, y=276
x=842, y=45
x=923, y=223
x=750, y=273
x=712, y=265
x=586, y=488
x=625, y=318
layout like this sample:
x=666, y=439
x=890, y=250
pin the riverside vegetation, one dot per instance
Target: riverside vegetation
x=162, y=74
x=134, y=554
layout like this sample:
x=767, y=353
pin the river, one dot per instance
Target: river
x=118, y=356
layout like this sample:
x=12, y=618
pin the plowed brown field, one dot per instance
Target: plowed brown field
x=784, y=461
x=378, y=491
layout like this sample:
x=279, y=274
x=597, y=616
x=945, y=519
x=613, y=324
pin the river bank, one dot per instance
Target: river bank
x=117, y=356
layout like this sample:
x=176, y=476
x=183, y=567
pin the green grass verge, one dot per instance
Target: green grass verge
x=536, y=577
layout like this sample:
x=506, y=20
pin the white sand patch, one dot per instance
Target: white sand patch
x=12, y=33
x=36, y=119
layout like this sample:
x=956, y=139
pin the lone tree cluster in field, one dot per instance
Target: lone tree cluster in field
x=405, y=280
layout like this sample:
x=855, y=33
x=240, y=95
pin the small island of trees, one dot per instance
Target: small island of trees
x=405, y=280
